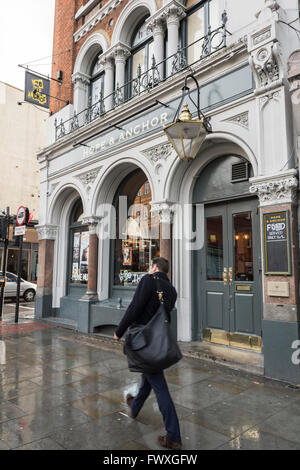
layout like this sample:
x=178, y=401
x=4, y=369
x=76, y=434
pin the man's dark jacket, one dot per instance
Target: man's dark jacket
x=145, y=302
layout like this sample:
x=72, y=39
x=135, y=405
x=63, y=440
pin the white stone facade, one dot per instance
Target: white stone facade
x=257, y=126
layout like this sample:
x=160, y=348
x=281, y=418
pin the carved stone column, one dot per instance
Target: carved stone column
x=121, y=53
x=158, y=26
x=281, y=317
x=47, y=235
x=91, y=293
x=81, y=83
x=165, y=214
x=107, y=61
x=174, y=12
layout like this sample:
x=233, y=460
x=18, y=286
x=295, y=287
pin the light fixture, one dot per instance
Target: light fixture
x=185, y=134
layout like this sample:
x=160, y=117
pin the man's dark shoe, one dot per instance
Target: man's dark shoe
x=165, y=442
x=129, y=400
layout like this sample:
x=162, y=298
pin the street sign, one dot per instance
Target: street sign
x=22, y=215
x=20, y=230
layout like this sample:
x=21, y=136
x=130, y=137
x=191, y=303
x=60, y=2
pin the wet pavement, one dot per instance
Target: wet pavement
x=63, y=390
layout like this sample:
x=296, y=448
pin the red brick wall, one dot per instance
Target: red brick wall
x=64, y=28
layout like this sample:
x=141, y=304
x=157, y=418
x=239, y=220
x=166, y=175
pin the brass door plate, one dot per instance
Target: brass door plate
x=236, y=340
x=243, y=287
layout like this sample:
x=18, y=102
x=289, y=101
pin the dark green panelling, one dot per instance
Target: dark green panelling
x=278, y=338
x=43, y=306
x=214, y=182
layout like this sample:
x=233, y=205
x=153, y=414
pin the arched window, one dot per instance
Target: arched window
x=79, y=247
x=96, y=81
x=137, y=241
x=142, y=49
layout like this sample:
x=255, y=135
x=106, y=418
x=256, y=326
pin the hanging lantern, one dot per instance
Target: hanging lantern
x=185, y=134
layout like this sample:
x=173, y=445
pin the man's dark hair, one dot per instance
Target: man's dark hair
x=162, y=264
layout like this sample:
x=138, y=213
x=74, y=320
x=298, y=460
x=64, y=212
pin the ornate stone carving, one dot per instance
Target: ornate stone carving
x=121, y=53
x=275, y=191
x=164, y=211
x=96, y=19
x=47, y=232
x=161, y=152
x=92, y=222
x=261, y=37
x=88, y=177
x=240, y=119
x=270, y=8
x=80, y=78
x=266, y=67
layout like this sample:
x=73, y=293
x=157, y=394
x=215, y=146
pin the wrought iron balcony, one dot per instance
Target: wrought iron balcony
x=145, y=81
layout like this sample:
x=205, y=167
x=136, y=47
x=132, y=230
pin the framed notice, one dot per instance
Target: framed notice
x=127, y=256
x=277, y=243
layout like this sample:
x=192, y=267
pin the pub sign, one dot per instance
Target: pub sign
x=37, y=90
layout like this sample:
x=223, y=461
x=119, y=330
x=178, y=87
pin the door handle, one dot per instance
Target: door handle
x=230, y=277
x=225, y=276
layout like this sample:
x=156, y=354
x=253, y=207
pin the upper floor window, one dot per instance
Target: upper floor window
x=142, y=49
x=96, y=81
x=201, y=18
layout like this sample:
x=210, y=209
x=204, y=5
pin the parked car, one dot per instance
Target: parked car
x=27, y=289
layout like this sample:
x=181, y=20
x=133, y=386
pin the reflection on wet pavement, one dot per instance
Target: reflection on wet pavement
x=57, y=393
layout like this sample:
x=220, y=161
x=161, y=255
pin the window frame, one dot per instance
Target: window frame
x=93, y=79
x=74, y=227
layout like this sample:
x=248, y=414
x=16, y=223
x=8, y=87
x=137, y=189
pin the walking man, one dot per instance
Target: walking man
x=142, y=308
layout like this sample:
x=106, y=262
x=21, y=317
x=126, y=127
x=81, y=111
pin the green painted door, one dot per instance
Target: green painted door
x=230, y=272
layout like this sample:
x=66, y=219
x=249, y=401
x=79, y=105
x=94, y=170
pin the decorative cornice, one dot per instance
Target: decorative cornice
x=47, y=232
x=80, y=77
x=276, y=190
x=266, y=67
x=89, y=177
x=240, y=119
x=161, y=152
x=93, y=222
x=96, y=19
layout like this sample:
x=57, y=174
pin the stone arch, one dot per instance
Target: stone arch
x=180, y=184
x=60, y=207
x=96, y=43
x=110, y=180
x=129, y=18
x=179, y=189
x=103, y=199
x=59, y=199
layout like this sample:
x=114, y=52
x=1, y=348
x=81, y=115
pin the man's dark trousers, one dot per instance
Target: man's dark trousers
x=158, y=383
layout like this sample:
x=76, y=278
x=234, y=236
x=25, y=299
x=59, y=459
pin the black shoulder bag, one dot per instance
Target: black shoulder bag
x=152, y=347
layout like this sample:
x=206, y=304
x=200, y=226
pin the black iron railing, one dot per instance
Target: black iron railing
x=145, y=81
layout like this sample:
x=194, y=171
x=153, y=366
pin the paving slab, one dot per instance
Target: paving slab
x=64, y=390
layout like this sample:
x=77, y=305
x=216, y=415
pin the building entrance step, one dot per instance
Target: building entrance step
x=63, y=322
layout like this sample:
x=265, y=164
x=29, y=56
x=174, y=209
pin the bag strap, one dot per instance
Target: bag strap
x=159, y=292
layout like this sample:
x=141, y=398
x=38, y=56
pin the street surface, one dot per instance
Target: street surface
x=64, y=390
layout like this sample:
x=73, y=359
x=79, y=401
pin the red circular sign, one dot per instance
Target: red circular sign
x=21, y=215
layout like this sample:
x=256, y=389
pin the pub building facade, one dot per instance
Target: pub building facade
x=114, y=193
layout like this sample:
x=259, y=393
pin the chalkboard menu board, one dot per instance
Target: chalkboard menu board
x=277, y=243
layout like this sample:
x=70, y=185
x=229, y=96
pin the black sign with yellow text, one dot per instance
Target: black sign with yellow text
x=277, y=243
x=37, y=90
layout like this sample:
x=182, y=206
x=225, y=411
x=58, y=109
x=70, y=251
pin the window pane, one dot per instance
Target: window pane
x=97, y=88
x=243, y=251
x=138, y=58
x=214, y=248
x=80, y=256
x=140, y=241
x=195, y=31
x=141, y=34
